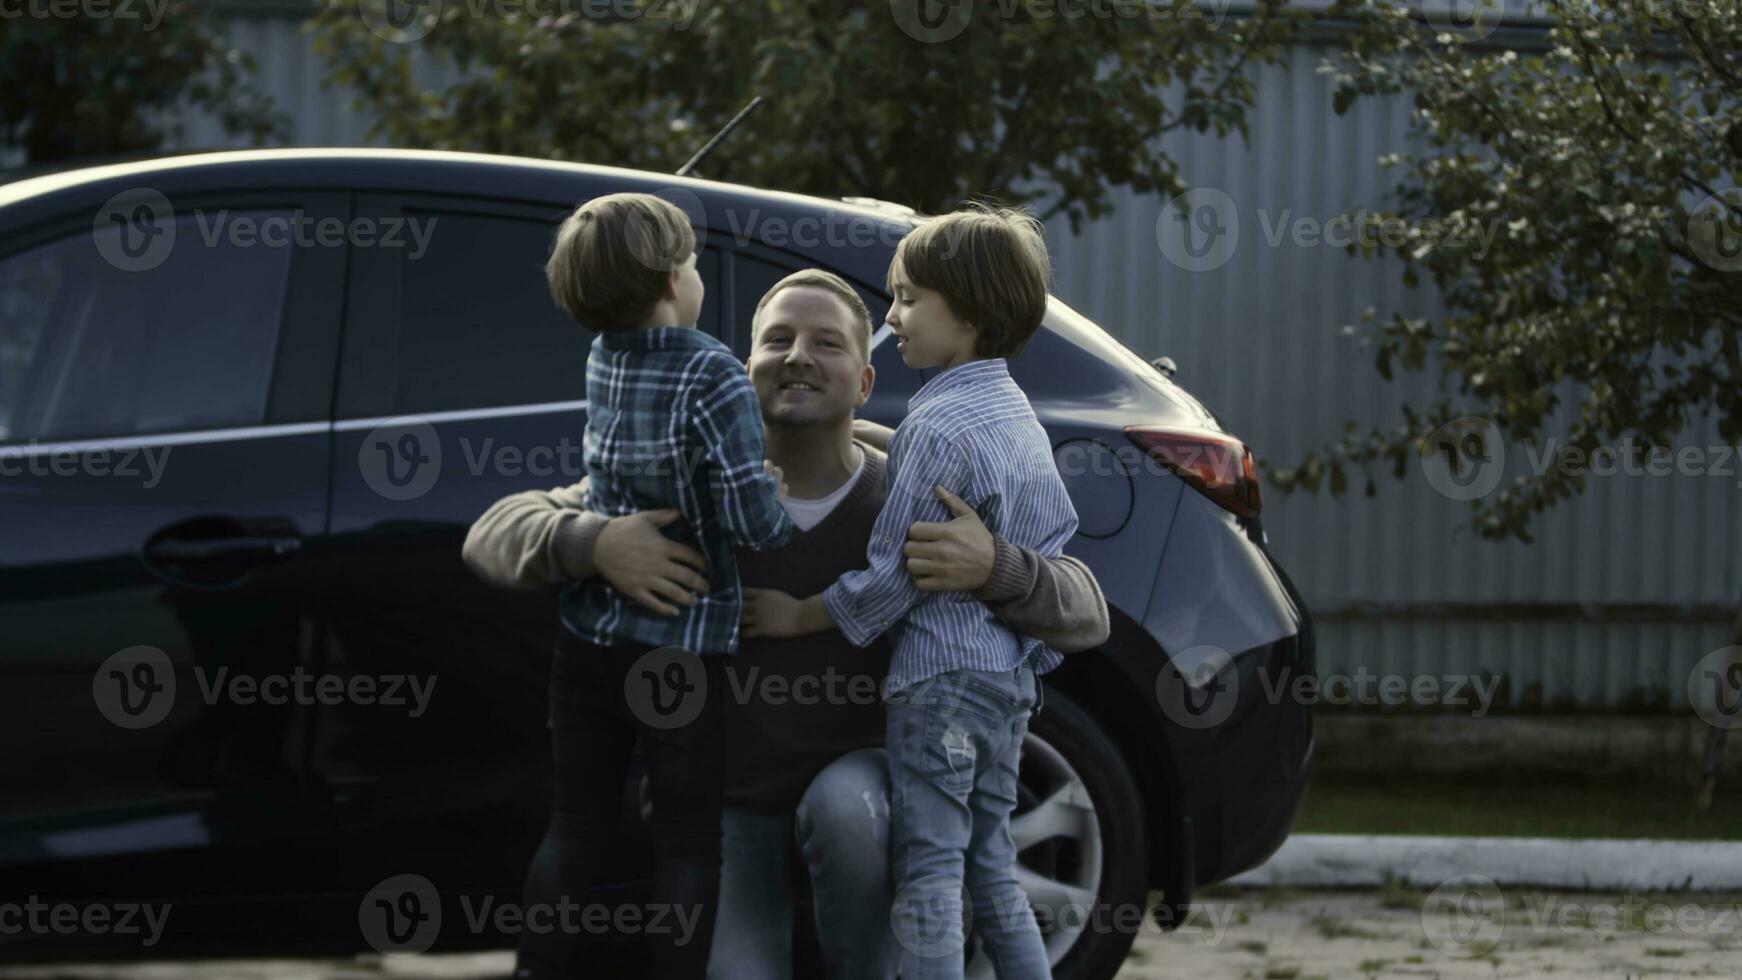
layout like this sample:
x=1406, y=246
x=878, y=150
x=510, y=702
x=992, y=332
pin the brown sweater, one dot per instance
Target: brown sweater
x=793, y=705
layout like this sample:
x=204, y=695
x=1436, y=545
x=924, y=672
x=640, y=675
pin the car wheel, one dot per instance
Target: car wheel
x=1082, y=855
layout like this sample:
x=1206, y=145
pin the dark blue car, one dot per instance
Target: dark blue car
x=249, y=404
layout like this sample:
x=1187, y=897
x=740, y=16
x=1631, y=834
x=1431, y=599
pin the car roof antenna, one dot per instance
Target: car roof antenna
x=708, y=147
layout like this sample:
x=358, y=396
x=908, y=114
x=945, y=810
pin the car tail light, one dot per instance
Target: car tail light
x=1217, y=465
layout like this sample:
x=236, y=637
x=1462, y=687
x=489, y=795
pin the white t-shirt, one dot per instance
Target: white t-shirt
x=809, y=513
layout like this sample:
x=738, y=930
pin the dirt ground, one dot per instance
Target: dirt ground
x=1470, y=930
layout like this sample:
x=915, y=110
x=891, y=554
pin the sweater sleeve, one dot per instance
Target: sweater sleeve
x=1055, y=600
x=535, y=539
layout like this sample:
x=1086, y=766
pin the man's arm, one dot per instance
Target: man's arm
x=546, y=538
x=1054, y=600
x=535, y=539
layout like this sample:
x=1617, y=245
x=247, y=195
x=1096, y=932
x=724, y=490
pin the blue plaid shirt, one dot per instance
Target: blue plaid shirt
x=971, y=429
x=673, y=422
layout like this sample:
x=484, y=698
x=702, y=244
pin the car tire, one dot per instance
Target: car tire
x=1069, y=760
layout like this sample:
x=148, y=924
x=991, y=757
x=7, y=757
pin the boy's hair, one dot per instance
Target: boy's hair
x=991, y=266
x=829, y=282
x=613, y=257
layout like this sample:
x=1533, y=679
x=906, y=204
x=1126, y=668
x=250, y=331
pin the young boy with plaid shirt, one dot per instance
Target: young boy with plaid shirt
x=672, y=423
x=970, y=290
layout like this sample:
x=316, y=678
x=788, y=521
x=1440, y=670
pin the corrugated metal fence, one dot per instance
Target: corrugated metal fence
x=1624, y=589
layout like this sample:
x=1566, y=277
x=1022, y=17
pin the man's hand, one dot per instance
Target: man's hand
x=953, y=557
x=867, y=431
x=647, y=566
x=772, y=613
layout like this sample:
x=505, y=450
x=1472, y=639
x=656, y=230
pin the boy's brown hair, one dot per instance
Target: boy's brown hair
x=613, y=258
x=831, y=283
x=990, y=265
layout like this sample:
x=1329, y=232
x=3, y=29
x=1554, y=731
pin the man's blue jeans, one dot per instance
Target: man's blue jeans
x=954, y=742
x=841, y=833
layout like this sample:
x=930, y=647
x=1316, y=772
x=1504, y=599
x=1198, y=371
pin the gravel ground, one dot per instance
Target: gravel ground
x=1467, y=930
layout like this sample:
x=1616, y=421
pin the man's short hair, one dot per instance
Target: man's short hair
x=991, y=266
x=613, y=257
x=828, y=282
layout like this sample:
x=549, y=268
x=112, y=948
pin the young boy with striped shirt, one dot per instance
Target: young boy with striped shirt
x=970, y=290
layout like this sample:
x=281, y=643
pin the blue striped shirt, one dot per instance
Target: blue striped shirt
x=672, y=421
x=972, y=430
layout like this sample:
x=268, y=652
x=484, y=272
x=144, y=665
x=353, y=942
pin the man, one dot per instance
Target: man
x=806, y=779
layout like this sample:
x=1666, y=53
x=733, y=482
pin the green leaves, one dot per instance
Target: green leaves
x=1595, y=276
x=1049, y=110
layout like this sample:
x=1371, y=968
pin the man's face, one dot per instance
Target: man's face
x=805, y=364
x=927, y=334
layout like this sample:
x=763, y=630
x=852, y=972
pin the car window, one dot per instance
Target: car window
x=476, y=326
x=91, y=349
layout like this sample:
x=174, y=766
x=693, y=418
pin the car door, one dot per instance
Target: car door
x=164, y=386
x=460, y=382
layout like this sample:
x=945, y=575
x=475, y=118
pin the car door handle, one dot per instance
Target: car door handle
x=210, y=549
x=218, y=550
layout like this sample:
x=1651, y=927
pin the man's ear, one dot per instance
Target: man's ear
x=866, y=381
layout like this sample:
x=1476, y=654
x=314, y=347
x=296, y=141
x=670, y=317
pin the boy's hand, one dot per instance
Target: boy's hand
x=771, y=613
x=953, y=557
x=778, y=474
x=867, y=431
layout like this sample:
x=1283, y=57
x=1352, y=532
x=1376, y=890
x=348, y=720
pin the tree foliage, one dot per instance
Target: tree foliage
x=1017, y=100
x=1607, y=308
x=110, y=81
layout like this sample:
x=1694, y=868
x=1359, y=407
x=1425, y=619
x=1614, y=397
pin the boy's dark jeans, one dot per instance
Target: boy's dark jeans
x=602, y=699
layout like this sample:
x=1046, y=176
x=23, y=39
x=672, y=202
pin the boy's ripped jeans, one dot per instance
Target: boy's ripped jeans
x=954, y=743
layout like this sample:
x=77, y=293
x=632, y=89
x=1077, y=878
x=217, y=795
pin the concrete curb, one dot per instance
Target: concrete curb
x=1349, y=860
